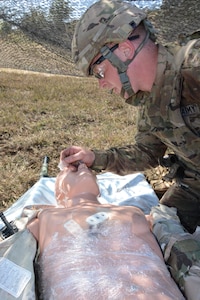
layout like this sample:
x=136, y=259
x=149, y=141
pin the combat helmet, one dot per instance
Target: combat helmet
x=104, y=22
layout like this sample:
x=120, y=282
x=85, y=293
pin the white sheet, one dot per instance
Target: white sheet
x=131, y=190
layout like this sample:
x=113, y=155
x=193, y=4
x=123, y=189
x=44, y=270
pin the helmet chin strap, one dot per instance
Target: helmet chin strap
x=123, y=66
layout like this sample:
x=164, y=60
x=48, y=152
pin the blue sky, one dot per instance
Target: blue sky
x=79, y=6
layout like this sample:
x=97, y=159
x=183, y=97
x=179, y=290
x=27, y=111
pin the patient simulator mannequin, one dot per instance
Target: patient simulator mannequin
x=94, y=251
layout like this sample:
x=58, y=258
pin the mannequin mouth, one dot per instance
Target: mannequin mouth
x=78, y=163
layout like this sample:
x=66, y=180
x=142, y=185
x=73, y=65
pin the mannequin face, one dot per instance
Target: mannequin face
x=71, y=183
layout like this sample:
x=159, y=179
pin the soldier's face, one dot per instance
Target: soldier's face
x=106, y=73
x=110, y=80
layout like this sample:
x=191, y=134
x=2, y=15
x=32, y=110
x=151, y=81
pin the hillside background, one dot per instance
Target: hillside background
x=36, y=50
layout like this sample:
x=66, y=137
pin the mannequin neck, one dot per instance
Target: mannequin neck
x=82, y=198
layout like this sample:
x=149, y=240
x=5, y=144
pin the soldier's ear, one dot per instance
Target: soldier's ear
x=126, y=49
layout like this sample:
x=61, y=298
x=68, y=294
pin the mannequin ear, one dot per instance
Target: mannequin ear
x=126, y=49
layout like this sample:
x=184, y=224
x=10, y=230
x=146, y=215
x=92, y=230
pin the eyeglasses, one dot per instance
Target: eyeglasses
x=98, y=72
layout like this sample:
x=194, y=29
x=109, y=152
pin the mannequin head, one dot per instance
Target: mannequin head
x=72, y=182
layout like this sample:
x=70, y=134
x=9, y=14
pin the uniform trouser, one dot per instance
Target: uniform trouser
x=186, y=198
x=181, y=250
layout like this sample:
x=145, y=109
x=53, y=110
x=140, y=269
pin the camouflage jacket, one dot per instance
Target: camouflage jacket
x=168, y=116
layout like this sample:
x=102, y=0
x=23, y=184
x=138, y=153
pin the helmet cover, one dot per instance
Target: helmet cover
x=104, y=22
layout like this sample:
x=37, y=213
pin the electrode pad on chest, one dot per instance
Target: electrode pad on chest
x=73, y=227
x=97, y=218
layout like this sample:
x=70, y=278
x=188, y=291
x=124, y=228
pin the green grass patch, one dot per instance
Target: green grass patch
x=43, y=114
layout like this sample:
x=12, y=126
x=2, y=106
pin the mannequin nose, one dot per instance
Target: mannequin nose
x=82, y=166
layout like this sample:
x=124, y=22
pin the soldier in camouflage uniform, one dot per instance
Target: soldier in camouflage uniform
x=113, y=37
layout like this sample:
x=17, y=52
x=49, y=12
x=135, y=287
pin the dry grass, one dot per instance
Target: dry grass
x=42, y=114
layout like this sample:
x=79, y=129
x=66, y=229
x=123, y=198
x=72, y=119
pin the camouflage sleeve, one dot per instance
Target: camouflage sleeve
x=181, y=250
x=142, y=155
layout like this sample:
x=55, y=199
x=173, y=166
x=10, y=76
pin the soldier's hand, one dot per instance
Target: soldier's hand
x=74, y=154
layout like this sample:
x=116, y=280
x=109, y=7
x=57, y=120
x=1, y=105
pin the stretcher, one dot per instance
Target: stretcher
x=16, y=241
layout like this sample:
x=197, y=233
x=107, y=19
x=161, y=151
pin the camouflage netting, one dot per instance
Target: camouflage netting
x=176, y=18
x=36, y=34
